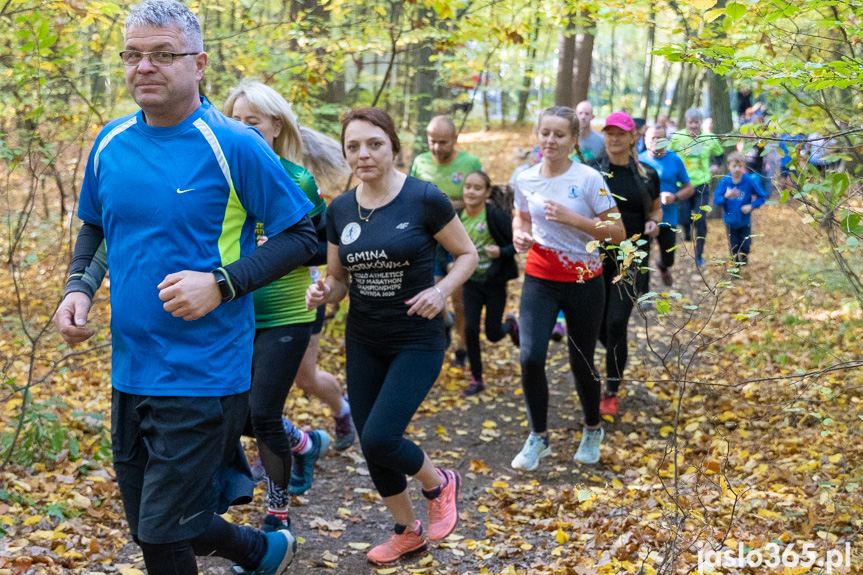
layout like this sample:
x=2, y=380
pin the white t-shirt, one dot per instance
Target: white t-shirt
x=560, y=252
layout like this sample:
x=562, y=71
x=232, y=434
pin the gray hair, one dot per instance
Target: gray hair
x=694, y=114
x=166, y=13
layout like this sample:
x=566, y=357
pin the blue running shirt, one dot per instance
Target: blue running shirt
x=182, y=198
x=672, y=174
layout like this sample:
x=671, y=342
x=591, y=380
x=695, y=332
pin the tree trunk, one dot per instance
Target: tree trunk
x=613, y=72
x=583, y=60
x=660, y=100
x=566, y=61
x=720, y=104
x=426, y=77
x=524, y=92
x=680, y=88
x=648, y=64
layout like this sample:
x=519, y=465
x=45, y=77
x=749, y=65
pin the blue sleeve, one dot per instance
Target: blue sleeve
x=89, y=203
x=759, y=193
x=719, y=194
x=265, y=190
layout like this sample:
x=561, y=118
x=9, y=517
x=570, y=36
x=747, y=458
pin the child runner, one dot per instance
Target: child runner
x=382, y=239
x=490, y=229
x=561, y=205
x=739, y=195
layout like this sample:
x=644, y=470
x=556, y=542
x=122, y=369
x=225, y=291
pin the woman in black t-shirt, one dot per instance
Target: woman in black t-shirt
x=382, y=237
x=635, y=186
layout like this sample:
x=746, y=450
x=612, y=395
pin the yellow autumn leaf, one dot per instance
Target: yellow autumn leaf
x=666, y=431
x=702, y=4
x=500, y=484
x=359, y=546
x=561, y=537
x=387, y=571
x=835, y=458
x=131, y=571
x=33, y=520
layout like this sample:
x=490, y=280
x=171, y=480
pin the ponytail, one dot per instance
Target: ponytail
x=322, y=157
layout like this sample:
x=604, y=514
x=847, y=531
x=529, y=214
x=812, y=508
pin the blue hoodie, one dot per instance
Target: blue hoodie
x=750, y=193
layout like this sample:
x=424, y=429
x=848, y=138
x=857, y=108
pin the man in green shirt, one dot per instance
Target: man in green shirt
x=447, y=168
x=443, y=165
x=701, y=154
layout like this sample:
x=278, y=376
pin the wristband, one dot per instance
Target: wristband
x=440, y=293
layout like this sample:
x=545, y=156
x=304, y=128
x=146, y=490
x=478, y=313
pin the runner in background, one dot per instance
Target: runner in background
x=590, y=143
x=635, y=187
x=702, y=155
x=446, y=167
x=283, y=326
x=674, y=186
x=489, y=226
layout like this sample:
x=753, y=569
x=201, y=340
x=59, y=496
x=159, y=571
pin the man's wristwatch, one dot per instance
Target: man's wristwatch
x=224, y=288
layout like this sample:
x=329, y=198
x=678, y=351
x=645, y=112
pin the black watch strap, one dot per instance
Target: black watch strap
x=225, y=289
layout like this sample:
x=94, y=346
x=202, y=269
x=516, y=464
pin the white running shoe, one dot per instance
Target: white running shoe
x=534, y=449
x=588, y=451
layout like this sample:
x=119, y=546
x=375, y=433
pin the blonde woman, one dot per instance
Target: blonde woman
x=286, y=333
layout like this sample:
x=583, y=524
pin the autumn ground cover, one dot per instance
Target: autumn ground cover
x=740, y=426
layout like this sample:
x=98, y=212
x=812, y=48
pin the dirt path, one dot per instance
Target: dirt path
x=342, y=515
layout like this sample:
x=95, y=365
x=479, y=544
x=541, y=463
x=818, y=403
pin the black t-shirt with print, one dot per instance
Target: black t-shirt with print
x=631, y=203
x=390, y=259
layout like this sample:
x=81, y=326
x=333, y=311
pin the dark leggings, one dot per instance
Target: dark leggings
x=619, y=301
x=277, y=357
x=666, y=240
x=692, y=205
x=582, y=305
x=386, y=388
x=243, y=545
x=493, y=297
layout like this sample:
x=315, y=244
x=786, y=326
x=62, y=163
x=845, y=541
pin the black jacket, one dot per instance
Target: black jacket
x=503, y=268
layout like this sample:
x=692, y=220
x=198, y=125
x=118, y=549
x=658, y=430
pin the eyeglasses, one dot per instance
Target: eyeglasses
x=159, y=59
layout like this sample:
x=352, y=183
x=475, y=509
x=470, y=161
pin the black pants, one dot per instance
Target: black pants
x=493, y=297
x=178, y=462
x=619, y=301
x=386, y=388
x=276, y=360
x=691, y=206
x=740, y=240
x=666, y=240
x=582, y=305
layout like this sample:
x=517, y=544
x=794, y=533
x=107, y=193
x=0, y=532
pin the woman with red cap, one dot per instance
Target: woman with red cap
x=635, y=186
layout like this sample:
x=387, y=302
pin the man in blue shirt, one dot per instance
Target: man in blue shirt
x=175, y=190
x=674, y=186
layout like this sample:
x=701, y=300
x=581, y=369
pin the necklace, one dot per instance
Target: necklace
x=360, y=209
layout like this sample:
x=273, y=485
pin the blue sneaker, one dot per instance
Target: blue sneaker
x=281, y=548
x=303, y=469
x=699, y=262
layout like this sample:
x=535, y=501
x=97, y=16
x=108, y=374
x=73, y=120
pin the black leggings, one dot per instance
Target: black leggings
x=582, y=305
x=689, y=207
x=619, y=301
x=243, y=545
x=666, y=240
x=386, y=387
x=493, y=297
x=276, y=360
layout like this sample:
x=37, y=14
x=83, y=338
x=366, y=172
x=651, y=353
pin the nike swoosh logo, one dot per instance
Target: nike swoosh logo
x=184, y=520
x=179, y=191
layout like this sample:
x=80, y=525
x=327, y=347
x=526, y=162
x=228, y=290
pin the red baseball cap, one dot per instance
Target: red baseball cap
x=620, y=120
